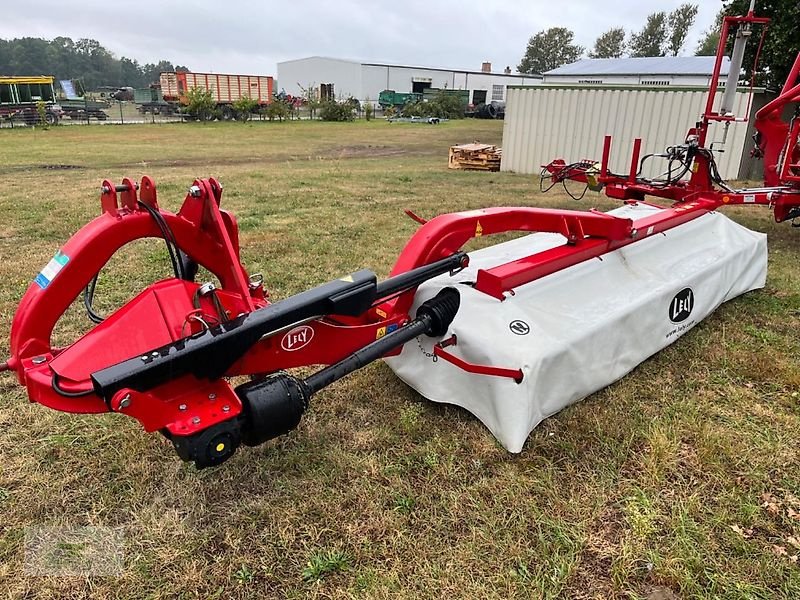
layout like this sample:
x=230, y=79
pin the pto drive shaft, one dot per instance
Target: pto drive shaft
x=287, y=397
x=274, y=406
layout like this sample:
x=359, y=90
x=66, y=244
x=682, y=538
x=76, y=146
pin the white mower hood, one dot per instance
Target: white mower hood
x=578, y=330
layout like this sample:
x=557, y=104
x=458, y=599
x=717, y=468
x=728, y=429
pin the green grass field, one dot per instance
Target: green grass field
x=680, y=481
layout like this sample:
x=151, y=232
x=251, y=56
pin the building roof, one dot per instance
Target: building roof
x=471, y=72
x=397, y=66
x=652, y=65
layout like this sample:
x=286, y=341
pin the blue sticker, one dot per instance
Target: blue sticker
x=51, y=269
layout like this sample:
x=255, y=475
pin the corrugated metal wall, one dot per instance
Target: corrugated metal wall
x=543, y=123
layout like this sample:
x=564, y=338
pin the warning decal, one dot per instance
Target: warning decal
x=51, y=269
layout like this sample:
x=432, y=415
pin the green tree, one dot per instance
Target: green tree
x=652, y=38
x=278, y=109
x=548, y=50
x=201, y=104
x=707, y=46
x=61, y=55
x=243, y=108
x=782, y=41
x=4, y=52
x=610, y=44
x=709, y=40
x=680, y=21
x=331, y=110
x=445, y=104
x=310, y=95
x=97, y=63
x=41, y=112
x=130, y=73
x=85, y=59
x=30, y=54
x=152, y=72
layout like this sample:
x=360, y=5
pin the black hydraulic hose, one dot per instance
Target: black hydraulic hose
x=172, y=249
x=570, y=194
x=88, y=301
x=62, y=392
x=169, y=239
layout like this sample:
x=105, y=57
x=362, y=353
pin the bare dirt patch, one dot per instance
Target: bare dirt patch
x=338, y=153
x=363, y=151
x=60, y=167
x=592, y=576
x=659, y=592
x=45, y=167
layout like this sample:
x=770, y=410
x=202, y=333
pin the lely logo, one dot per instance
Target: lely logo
x=297, y=338
x=519, y=327
x=681, y=306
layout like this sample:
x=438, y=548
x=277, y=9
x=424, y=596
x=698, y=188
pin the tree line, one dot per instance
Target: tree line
x=84, y=59
x=664, y=34
x=780, y=45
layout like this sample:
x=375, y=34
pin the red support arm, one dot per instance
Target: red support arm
x=447, y=234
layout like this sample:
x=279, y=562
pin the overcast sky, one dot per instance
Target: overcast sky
x=240, y=37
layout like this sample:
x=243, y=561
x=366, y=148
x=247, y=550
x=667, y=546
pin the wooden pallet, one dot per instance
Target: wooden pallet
x=475, y=157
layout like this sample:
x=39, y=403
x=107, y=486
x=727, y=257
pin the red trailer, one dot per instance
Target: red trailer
x=226, y=89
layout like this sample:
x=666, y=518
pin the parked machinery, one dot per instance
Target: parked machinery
x=77, y=105
x=20, y=98
x=225, y=89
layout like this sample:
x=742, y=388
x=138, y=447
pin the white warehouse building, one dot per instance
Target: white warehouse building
x=659, y=71
x=365, y=81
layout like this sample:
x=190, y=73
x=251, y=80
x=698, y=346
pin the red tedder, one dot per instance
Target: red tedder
x=165, y=356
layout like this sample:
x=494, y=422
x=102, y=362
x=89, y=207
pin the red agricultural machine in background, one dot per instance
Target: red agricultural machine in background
x=776, y=142
x=163, y=358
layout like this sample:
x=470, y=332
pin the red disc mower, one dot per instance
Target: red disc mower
x=164, y=358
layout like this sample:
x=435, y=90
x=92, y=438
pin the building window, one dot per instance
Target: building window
x=655, y=82
x=498, y=91
x=590, y=81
